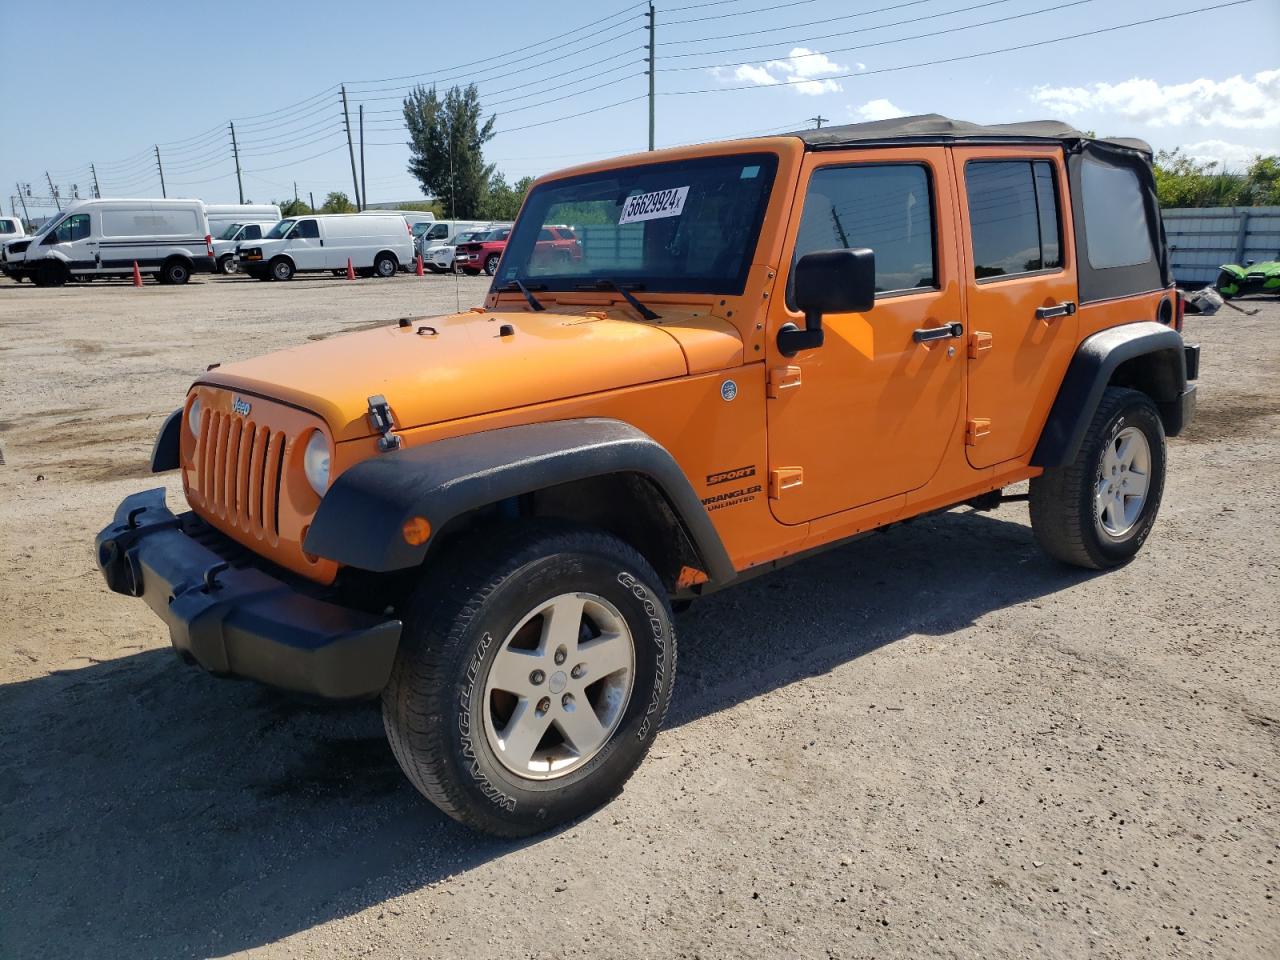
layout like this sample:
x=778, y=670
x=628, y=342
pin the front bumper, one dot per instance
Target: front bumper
x=238, y=620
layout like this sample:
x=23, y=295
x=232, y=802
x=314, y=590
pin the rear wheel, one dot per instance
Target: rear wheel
x=1227, y=285
x=532, y=679
x=175, y=271
x=227, y=264
x=281, y=268
x=385, y=265
x=491, y=263
x=1097, y=511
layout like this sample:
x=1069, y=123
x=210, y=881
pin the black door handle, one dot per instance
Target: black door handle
x=1064, y=309
x=945, y=332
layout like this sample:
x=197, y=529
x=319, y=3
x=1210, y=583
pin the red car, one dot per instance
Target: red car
x=556, y=245
x=482, y=254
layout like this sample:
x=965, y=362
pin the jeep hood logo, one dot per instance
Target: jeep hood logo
x=241, y=407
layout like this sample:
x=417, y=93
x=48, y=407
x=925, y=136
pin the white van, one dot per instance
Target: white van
x=225, y=243
x=222, y=215
x=11, y=228
x=376, y=244
x=93, y=238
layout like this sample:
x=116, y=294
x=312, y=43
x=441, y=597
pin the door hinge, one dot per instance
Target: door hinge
x=979, y=343
x=784, y=478
x=783, y=378
x=975, y=430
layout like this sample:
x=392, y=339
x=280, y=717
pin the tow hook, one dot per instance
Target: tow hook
x=383, y=420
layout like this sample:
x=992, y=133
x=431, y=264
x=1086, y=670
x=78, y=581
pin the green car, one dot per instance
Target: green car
x=1251, y=278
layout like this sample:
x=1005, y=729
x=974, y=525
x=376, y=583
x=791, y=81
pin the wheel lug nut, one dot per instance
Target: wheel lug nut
x=561, y=655
x=567, y=701
x=543, y=705
x=537, y=677
x=577, y=671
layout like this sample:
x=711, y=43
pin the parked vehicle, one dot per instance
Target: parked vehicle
x=483, y=253
x=376, y=245
x=557, y=245
x=443, y=234
x=11, y=228
x=224, y=246
x=417, y=221
x=768, y=347
x=222, y=215
x=165, y=238
x=1253, y=277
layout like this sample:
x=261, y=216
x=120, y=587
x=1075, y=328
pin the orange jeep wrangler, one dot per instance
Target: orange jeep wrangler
x=766, y=347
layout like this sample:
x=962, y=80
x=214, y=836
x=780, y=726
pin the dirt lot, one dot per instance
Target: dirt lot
x=933, y=742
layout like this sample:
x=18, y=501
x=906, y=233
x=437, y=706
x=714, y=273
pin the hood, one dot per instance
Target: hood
x=467, y=367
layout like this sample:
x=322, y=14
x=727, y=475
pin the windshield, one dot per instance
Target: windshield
x=230, y=232
x=467, y=236
x=688, y=225
x=280, y=229
x=50, y=224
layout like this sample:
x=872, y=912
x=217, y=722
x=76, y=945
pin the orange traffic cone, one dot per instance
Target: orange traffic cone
x=351, y=271
x=419, y=271
x=137, y=275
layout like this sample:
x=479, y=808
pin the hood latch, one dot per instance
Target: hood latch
x=383, y=420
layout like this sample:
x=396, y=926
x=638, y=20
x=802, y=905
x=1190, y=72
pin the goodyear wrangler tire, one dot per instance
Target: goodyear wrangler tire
x=1097, y=511
x=532, y=680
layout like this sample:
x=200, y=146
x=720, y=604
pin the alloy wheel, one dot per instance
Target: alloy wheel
x=1123, y=481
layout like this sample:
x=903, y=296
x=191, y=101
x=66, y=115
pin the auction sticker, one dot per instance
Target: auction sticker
x=654, y=206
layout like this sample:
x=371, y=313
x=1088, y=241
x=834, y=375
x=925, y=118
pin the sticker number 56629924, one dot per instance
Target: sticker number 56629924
x=652, y=206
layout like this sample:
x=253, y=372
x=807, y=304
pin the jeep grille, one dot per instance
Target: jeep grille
x=241, y=466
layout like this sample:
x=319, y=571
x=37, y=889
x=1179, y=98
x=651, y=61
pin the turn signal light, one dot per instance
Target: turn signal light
x=416, y=531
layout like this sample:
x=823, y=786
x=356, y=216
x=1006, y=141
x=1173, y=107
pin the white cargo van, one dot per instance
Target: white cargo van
x=91, y=238
x=376, y=245
x=11, y=228
x=225, y=243
x=222, y=215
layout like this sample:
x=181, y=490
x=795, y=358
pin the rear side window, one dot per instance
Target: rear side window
x=8, y=226
x=886, y=207
x=1013, y=217
x=151, y=223
x=1114, y=216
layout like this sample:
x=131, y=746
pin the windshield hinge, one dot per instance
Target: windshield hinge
x=383, y=420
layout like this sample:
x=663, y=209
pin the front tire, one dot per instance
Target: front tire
x=491, y=263
x=531, y=681
x=1097, y=511
x=1227, y=285
x=281, y=269
x=227, y=265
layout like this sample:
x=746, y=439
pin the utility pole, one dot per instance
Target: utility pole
x=364, y=190
x=53, y=190
x=819, y=120
x=160, y=167
x=652, y=49
x=25, y=215
x=312, y=197
x=235, y=151
x=97, y=193
x=351, y=149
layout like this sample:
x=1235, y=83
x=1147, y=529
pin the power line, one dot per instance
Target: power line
x=809, y=23
x=739, y=13
x=970, y=56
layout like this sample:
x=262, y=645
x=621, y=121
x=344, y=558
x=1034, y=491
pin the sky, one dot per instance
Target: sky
x=566, y=81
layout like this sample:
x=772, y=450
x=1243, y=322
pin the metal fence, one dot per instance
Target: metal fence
x=1201, y=239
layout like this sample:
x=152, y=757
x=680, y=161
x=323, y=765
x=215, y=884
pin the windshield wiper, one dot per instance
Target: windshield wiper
x=605, y=283
x=533, y=301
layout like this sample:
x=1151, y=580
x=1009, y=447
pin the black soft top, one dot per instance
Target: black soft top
x=933, y=128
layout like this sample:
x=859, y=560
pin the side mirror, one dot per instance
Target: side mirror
x=829, y=281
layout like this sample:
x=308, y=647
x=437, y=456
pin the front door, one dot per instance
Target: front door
x=868, y=415
x=306, y=246
x=1021, y=281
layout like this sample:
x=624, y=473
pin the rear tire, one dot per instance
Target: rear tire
x=281, y=269
x=385, y=265
x=1097, y=511
x=175, y=272
x=1227, y=285
x=504, y=748
x=491, y=263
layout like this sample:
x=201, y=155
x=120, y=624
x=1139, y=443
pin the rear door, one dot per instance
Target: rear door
x=869, y=414
x=1021, y=287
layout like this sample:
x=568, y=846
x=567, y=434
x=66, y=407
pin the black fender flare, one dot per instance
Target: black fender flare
x=165, y=454
x=1089, y=373
x=361, y=517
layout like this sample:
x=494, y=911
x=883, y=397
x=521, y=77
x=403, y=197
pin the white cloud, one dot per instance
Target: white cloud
x=1237, y=102
x=807, y=72
x=1232, y=156
x=880, y=109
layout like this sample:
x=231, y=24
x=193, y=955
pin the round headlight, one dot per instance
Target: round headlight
x=315, y=462
x=193, y=417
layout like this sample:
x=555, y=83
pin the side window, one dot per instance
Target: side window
x=888, y=208
x=1013, y=217
x=307, y=229
x=1115, y=220
x=8, y=226
x=438, y=231
x=252, y=232
x=545, y=234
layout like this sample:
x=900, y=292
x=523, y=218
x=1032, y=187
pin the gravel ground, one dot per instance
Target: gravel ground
x=931, y=743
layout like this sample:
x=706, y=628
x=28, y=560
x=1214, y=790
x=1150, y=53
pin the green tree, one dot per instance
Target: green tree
x=502, y=202
x=337, y=202
x=292, y=208
x=446, y=147
x=1263, y=179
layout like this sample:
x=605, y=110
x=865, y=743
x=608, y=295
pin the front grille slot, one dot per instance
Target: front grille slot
x=240, y=471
